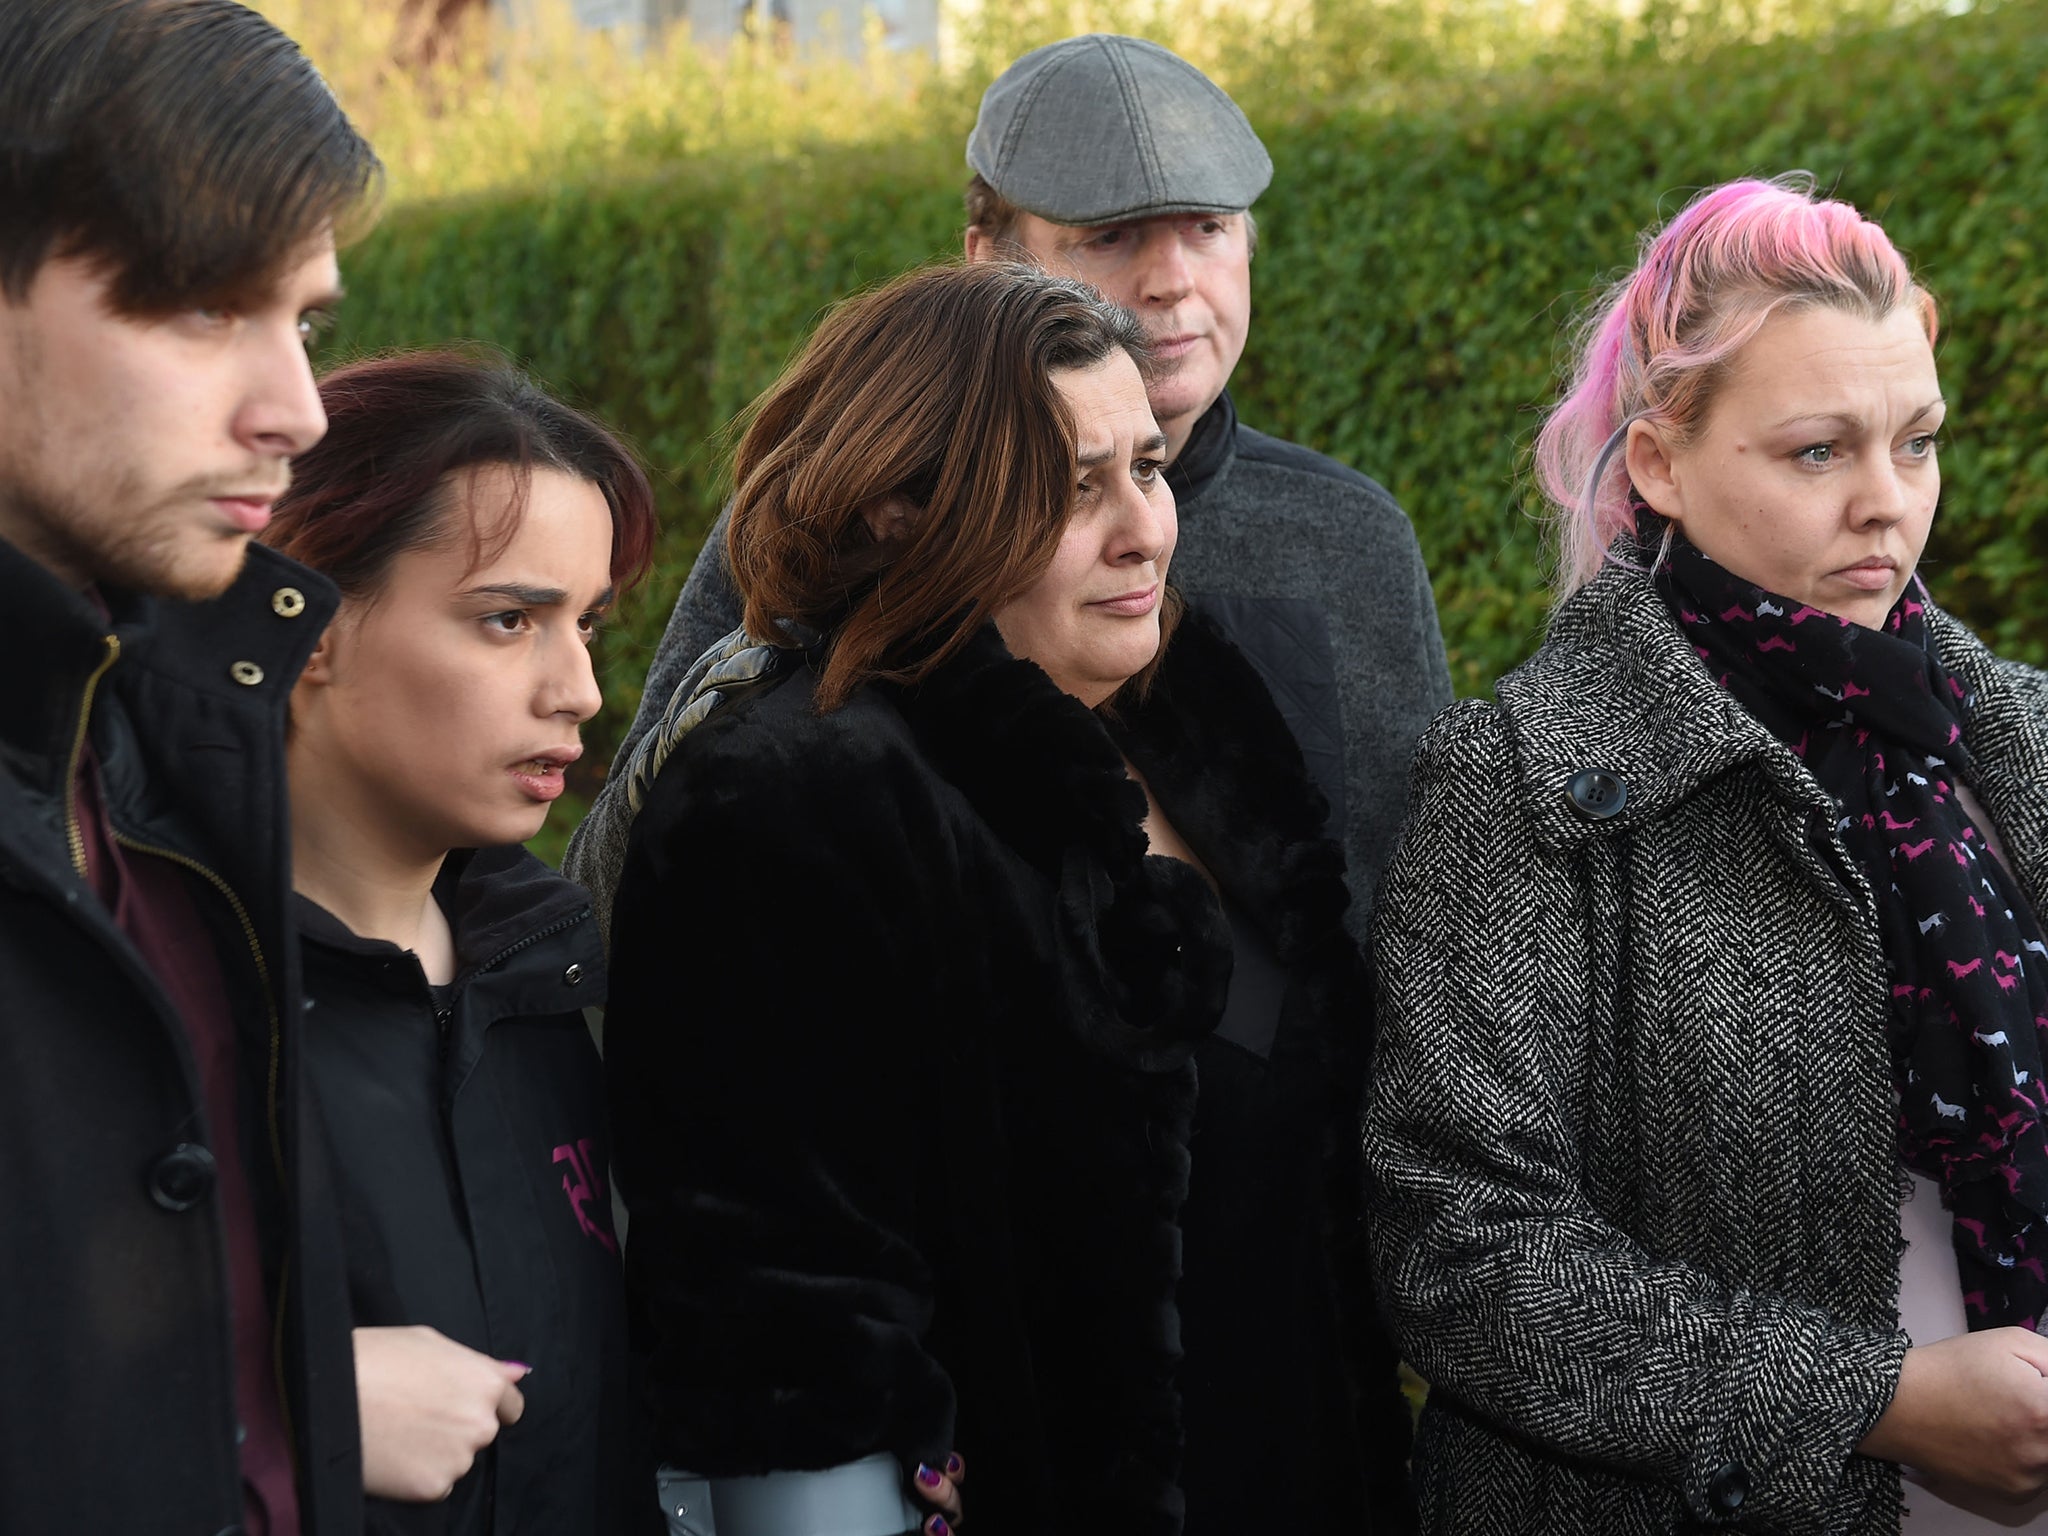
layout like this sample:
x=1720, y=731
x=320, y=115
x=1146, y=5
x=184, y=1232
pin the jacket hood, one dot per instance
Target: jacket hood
x=1616, y=686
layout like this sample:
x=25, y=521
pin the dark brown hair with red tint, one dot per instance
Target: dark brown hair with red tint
x=187, y=147
x=936, y=390
x=403, y=430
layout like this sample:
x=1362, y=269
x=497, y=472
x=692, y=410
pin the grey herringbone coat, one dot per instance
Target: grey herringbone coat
x=1631, y=1130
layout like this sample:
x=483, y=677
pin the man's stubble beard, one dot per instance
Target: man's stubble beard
x=83, y=540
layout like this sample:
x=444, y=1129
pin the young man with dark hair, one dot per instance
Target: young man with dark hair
x=176, y=1329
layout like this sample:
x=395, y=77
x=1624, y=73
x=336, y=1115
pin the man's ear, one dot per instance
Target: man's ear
x=1653, y=471
x=891, y=519
x=979, y=247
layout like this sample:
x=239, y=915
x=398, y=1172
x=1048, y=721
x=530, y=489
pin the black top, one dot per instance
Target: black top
x=472, y=1169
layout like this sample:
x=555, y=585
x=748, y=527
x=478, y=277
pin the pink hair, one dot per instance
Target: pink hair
x=1659, y=342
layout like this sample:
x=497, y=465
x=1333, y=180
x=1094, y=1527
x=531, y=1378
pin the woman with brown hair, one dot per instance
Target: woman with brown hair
x=905, y=1121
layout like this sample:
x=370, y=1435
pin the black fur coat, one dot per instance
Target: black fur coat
x=900, y=1052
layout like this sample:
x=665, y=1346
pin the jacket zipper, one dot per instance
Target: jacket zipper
x=512, y=949
x=270, y=1107
x=75, y=834
x=444, y=1016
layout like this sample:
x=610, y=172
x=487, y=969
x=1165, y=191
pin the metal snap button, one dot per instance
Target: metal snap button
x=287, y=602
x=572, y=975
x=247, y=673
x=1596, y=794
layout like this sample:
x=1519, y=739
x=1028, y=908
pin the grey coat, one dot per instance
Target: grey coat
x=1630, y=1136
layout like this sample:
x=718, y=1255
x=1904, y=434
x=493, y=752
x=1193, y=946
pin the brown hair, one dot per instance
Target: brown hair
x=935, y=390
x=187, y=147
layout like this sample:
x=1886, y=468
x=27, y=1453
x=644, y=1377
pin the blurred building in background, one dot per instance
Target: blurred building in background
x=804, y=26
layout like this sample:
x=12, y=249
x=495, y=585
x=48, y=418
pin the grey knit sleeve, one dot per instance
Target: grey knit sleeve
x=1503, y=1282
x=707, y=608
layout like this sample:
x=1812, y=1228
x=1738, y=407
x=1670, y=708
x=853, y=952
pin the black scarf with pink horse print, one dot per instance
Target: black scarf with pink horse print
x=1879, y=722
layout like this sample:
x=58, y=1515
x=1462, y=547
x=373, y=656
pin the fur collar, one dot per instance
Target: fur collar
x=1043, y=772
x=1226, y=770
x=1036, y=762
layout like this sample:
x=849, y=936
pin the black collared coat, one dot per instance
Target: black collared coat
x=117, y=1392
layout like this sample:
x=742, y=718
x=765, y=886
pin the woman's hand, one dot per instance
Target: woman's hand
x=428, y=1405
x=941, y=1489
x=1974, y=1409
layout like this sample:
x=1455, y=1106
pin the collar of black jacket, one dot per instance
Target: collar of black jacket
x=498, y=901
x=252, y=639
x=1212, y=744
x=1617, y=688
x=1207, y=455
x=1036, y=762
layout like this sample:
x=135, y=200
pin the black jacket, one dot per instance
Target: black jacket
x=905, y=1150
x=472, y=1166
x=117, y=1398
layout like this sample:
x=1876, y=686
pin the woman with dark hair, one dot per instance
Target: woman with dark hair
x=907, y=998
x=1706, y=1127
x=478, y=530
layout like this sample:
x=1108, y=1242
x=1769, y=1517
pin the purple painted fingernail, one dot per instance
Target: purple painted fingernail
x=938, y=1527
x=954, y=1465
x=926, y=1477
x=522, y=1365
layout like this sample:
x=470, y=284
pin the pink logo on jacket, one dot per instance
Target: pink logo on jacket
x=584, y=1185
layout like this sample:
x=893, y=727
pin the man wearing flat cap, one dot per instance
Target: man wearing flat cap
x=1112, y=160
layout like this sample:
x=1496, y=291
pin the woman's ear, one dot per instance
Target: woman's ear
x=326, y=661
x=319, y=668
x=891, y=519
x=1653, y=471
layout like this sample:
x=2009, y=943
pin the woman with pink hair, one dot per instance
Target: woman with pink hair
x=1707, y=1129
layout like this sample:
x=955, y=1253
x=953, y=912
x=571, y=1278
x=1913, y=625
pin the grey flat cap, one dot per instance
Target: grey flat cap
x=1101, y=128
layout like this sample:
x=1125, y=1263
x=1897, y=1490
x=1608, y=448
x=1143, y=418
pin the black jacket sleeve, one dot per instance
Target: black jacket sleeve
x=776, y=935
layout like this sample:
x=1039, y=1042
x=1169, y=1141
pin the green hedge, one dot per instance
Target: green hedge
x=1414, y=275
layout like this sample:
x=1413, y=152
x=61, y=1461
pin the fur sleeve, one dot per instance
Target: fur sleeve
x=1505, y=1286
x=777, y=932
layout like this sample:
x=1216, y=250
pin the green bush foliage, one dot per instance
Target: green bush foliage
x=1421, y=254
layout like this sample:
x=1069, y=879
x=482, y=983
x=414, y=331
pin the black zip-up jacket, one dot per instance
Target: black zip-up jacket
x=473, y=1165
x=117, y=1395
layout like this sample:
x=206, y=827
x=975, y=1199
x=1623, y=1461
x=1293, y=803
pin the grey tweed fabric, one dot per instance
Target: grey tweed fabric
x=1310, y=568
x=1630, y=1136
